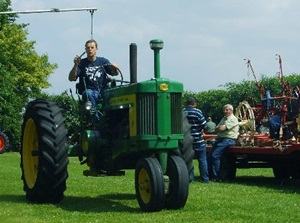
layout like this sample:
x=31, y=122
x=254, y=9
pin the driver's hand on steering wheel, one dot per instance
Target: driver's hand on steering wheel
x=114, y=69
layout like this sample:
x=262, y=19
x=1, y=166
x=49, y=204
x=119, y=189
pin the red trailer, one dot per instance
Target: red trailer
x=283, y=156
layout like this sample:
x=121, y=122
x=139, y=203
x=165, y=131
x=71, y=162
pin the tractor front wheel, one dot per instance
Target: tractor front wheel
x=149, y=185
x=178, y=190
x=44, y=156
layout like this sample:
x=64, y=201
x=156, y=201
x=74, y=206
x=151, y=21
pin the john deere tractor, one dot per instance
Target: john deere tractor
x=141, y=127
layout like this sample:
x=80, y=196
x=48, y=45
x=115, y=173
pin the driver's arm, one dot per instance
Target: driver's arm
x=73, y=72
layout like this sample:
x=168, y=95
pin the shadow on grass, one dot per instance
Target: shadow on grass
x=103, y=203
x=285, y=186
x=13, y=198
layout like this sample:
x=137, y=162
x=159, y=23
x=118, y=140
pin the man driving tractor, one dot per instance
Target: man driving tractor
x=92, y=73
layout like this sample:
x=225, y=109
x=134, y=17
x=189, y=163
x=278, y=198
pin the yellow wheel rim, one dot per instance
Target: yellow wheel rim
x=144, y=186
x=30, y=163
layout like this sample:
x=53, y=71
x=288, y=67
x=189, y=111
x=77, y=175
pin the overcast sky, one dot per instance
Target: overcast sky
x=205, y=42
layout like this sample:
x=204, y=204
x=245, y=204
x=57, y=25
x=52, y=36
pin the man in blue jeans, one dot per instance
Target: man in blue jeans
x=227, y=133
x=198, y=123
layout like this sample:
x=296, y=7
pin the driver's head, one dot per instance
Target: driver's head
x=91, y=48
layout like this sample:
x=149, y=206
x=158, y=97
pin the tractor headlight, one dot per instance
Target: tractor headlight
x=88, y=105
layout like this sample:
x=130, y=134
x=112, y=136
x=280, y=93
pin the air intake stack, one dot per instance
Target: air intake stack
x=156, y=45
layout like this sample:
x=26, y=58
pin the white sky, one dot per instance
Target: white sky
x=205, y=42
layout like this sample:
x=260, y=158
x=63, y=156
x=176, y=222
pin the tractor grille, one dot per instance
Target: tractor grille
x=176, y=113
x=146, y=114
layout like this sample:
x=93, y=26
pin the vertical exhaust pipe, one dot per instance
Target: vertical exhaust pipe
x=133, y=63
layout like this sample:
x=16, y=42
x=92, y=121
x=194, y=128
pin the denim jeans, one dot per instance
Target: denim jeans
x=220, y=146
x=93, y=96
x=200, y=153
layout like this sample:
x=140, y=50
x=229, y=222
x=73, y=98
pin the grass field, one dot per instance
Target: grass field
x=254, y=196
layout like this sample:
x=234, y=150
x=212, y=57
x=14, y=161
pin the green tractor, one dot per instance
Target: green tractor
x=142, y=127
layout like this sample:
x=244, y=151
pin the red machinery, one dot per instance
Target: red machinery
x=268, y=134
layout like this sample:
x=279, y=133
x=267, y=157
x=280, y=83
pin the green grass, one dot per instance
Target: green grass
x=255, y=196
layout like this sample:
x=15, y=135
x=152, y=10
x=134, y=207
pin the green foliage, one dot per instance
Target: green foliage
x=69, y=106
x=211, y=102
x=246, y=90
x=7, y=18
x=23, y=73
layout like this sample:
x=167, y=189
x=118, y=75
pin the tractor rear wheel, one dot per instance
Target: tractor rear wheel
x=44, y=157
x=178, y=190
x=149, y=185
x=4, y=142
x=186, y=150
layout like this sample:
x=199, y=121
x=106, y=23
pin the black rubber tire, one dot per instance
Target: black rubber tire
x=178, y=190
x=227, y=167
x=4, y=142
x=149, y=185
x=186, y=150
x=44, y=156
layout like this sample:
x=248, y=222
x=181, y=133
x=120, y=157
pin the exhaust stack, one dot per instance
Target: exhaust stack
x=133, y=62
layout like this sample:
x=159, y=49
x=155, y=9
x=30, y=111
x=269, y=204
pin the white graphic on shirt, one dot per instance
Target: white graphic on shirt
x=93, y=73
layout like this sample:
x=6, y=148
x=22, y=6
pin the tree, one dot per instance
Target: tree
x=23, y=73
x=70, y=109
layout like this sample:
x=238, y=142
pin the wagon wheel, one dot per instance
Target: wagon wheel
x=245, y=115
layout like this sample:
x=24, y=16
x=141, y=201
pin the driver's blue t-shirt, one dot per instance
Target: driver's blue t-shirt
x=93, y=72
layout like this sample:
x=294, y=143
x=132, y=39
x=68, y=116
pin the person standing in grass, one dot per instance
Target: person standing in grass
x=227, y=133
x=198, y=123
